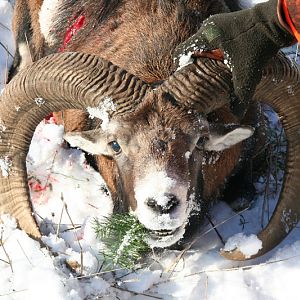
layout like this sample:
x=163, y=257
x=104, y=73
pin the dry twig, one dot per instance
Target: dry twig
x=14, y=292
x=27, y=43
x=135, y=293
x=4, y=26
x=215, y=229
x=6, y=49
x=244, y=268
x=24, y=252
x=76, y=237
x=206, y=287
x=100, y=273
x=5, y=252
x=59, y=222
x=4, y=261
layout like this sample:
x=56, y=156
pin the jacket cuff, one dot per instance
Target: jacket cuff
x=288, y=21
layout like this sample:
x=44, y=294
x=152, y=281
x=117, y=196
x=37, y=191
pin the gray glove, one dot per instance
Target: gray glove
x=248, y=38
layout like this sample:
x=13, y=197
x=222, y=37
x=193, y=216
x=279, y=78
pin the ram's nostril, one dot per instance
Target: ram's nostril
x=172, y=198
x=172, y=203
x=169, y=205
x=151, y=202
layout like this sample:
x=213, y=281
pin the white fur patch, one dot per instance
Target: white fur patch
x=47, y=17
x=155, y=185
x=222, y=142
x=24, y=52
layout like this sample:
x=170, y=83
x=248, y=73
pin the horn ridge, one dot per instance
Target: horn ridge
x=56, y=82
x=204, y=85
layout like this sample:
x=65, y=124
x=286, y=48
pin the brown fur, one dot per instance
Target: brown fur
x=139, y=36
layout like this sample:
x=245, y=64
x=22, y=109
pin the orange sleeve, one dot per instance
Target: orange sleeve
x=291, y=10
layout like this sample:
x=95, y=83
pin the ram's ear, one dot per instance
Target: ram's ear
x=92, y=141
x=222, y=137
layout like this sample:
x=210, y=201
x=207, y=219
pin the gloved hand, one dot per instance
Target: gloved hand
x=248, y=38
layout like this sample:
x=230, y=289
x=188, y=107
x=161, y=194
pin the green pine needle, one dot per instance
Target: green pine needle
x=124, y=238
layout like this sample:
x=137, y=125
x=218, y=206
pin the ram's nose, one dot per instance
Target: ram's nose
x=163, y=207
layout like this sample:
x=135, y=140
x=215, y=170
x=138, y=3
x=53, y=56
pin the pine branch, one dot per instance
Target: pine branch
x=124, y=238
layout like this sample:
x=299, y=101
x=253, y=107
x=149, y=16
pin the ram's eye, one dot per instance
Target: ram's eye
x=202, y=140
x=115, y=146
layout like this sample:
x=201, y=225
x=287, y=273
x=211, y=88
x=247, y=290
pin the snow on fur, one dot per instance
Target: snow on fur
x=102, y=112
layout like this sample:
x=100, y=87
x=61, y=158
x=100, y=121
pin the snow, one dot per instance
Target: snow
x=5, y=166
x=61, y=180
x=141, y=280
x=185, y=60
x=164, y=186
x=162, y=182
x=39, y=101
x=66, y=193
x=248, y=245
x=102, y=112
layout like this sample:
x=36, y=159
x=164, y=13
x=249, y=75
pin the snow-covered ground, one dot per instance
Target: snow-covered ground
x=66, y=191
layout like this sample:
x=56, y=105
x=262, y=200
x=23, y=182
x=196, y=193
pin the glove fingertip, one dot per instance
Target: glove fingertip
x=239, y=104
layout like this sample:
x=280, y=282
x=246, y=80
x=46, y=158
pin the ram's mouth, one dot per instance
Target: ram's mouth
x=165, y=237
x=162, y=233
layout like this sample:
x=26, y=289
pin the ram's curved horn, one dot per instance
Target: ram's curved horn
x=206, y=85
x=56, y=82
x=280, y=88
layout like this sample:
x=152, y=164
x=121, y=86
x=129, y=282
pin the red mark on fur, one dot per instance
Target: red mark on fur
x=72, y=31
x=50, y=119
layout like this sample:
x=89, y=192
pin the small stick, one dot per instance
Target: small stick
x=100, y=273
x=69, y=229
x=6, y=254
x=68, y=176
x=6, y=49
x=135, y=293
x=4, y=261
x=27, y=43
x=206, y=287
x=51, y=168
x=24, y=252
x=4, y=26
x=6, y=68
x=60, y=218
x=81, y=251
x=215, y=229
x=14, y=292
x=245, y=268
